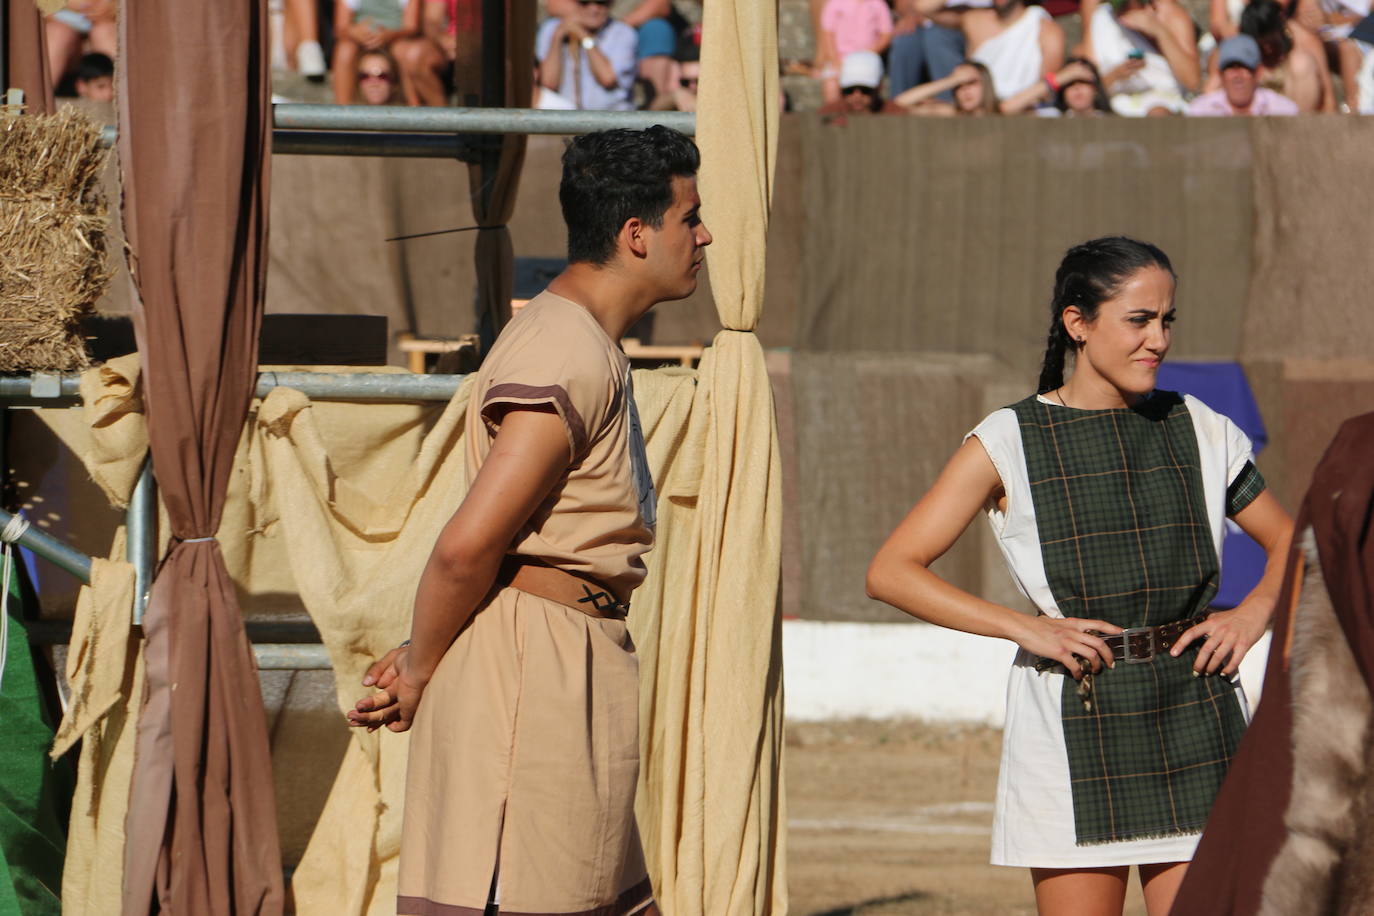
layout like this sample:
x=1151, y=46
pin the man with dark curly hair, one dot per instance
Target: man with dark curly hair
x=520, y=678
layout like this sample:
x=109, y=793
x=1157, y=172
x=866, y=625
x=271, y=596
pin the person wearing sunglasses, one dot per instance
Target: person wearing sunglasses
x=861, y=73
x=589, y=58
x=377, y=82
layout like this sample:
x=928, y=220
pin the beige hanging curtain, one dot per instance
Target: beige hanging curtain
x=194, y=136
x=711, y=804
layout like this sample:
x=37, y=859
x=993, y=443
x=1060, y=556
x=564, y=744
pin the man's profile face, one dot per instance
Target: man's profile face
x=1239, y=84
x=100, y=89
x=677, y=248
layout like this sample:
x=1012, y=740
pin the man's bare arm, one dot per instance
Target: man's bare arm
x=528, y=456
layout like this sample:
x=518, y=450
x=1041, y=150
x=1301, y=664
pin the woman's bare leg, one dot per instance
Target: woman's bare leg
x=64, y=47
x=1080, y=891
x=344, y=70
x=1160, y=883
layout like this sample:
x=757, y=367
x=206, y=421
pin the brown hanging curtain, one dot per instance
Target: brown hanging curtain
x=493, y=195
x=26, y=56
x=194, y=135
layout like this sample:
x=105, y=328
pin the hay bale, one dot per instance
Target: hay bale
x=53, y=221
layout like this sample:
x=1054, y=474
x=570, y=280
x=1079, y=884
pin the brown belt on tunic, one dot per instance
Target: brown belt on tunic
x=580, y=593
x=1135, y=645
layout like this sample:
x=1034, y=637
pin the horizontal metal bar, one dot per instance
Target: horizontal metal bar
x=291, y=657
x=398, y=126
x=51, y=549
x=369, y=143
x=41, y=389
x=279, y=632
x=362, y=386
x=471, y=120
x=322, y=386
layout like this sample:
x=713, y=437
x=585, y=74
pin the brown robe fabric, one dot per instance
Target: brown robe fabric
x=493, y=204
x=26, y=56
x=1246, y=829
x=194, y=142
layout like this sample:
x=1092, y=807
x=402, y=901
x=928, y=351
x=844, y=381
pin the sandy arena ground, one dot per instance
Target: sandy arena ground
x=892, y=819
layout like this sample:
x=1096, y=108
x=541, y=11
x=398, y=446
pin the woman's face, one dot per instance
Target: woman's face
x=1128, y=341
x=375, y=79
x=969, y=96
x=1079, y=97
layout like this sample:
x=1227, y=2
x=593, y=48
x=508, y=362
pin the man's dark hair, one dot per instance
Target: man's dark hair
x=93, y=66
x=615, y=175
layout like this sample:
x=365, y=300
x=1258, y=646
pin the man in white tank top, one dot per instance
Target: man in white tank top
x=1018, y=43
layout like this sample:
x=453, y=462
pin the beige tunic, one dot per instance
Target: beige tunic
x=524, y=753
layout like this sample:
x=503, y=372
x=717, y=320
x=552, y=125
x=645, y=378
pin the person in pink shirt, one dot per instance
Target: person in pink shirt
x=848, y=26
x=1240, y=93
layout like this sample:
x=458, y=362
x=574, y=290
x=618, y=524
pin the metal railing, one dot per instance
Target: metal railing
x=432, y=133
x=277, y=646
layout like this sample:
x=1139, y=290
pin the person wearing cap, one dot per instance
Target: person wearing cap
x=1240, y=93
x=847, y=27
x=861, y=73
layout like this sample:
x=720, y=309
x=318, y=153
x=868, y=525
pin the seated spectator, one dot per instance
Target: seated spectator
x=1017, y=43
x=391, y=25
x=924, y=48
x=79, y=26
x=848, y=27
x=301, y=36
x=589, y=58
x=1074, y=91
x=1240, y=92
x=861, y=73
x=455, y=28
x=1147, y=54
x=1363, y=39
x=660, y=26
x=378, y=78
x=1225, y=22
x=1080, y=93
x=1284, y=67
x=546, y=99
x=95, y=77
x=1332, y=21
x=684, y=94
x=969, y=85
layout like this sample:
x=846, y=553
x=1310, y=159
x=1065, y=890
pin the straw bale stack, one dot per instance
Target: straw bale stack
x=53, y=221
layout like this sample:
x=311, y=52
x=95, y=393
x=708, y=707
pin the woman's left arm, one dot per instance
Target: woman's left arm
x=1227, y=635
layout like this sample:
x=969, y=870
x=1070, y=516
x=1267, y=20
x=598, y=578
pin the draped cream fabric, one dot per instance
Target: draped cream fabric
x=711, y=806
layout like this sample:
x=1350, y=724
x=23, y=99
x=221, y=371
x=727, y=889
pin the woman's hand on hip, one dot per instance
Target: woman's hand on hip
x=1071, y=641
x=1223, y=638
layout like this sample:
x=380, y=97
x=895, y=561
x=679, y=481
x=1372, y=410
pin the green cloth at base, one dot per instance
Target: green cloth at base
x=35, y=794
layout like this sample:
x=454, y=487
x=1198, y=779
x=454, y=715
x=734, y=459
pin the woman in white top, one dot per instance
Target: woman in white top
x=1146, y=52
x=1108, y=500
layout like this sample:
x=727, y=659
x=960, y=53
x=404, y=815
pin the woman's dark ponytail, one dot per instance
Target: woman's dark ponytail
x=1089, y=275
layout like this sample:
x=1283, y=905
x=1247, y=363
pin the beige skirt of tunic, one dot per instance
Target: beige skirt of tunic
x=524, y=756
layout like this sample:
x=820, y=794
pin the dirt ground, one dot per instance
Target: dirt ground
x=893, y=819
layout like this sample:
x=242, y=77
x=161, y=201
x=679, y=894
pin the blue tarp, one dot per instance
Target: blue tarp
x=1223, y=387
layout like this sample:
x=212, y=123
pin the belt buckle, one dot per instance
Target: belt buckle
x=1148, y=633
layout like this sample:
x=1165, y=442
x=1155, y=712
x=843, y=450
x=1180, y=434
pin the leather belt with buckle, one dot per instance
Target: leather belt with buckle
x=577, y=592
x=1137, y=645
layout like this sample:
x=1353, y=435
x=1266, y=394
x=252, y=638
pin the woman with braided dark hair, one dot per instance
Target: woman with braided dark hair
x=1108, y=499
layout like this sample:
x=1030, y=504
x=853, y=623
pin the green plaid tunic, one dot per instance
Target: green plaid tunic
x=1125, y=536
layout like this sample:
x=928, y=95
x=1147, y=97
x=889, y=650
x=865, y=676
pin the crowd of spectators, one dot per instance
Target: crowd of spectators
x=1130, y=58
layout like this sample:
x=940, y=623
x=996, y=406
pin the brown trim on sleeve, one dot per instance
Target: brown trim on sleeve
x=514, y=393
x=630, y=901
